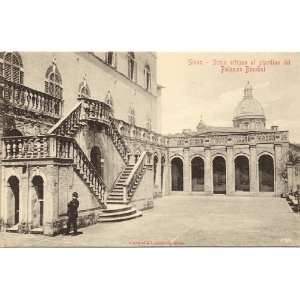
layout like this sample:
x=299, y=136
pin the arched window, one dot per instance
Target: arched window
x=131, y=115
x=84, y=90
x=132, y=66
x=53, y=81
x=147, y=75
x=110, y=59
x=11, y=67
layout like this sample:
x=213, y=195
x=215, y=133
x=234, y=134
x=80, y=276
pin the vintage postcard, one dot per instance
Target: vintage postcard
x=145, y=149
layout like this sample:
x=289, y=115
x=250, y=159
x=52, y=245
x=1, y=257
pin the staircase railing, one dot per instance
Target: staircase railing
x=118, y=141
x=54, y=147
x=26, y=98
x=72, y=119
x=133, y=177
x=87, y=169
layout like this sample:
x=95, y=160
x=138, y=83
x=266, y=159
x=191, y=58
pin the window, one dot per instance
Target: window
x=131, y=115
x=131, y=67
x=147, y=75
x=11, y=67
x=110, y=59
x=84, y=90
x=53, y=81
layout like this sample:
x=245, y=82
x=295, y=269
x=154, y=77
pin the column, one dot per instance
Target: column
x=186, y=171
x=254, y=180
x=278, y=169
x=24, y=201
x=51, y=191
x=208, y=182
x=230, y=176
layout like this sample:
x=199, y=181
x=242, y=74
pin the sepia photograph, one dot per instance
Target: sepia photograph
x=149, y=149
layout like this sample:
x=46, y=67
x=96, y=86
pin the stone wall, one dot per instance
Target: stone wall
x=101, y=78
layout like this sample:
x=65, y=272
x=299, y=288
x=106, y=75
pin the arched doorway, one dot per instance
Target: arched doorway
x=242, y=178
x=266, y=173
x=162, y=169
x=97, y=160
x=197, y=166
x=13, y=198
x=177, y=174
x=219, y=175
x=37, y=201
x=155, y=162
x=13, y=132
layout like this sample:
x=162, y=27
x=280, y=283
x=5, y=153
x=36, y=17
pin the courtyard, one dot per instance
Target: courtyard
x=178, y=220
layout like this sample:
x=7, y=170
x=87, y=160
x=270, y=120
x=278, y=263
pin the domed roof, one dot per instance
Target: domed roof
x=248, y=106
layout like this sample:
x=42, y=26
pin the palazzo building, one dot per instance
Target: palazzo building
x=90, y=122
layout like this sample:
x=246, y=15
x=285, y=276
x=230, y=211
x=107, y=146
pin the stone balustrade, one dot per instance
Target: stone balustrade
x=229, y=139
x=134, y=132
x=37, y=147
x=95, y=110
x=29, y=99
x=134, y=176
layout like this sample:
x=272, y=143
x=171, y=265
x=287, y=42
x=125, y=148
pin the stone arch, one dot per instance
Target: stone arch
x=162, y=171
x=197, y=173
x=177, y=174
x=13, y=200
x=219, y=174
x=266, y=172
x=242, y=173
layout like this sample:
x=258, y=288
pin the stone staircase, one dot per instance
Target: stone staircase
x=118, y=208
x=119, y=212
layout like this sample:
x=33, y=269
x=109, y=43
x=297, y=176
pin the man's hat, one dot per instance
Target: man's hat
x=75, y=194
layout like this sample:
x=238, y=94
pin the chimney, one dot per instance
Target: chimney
x=274, y=127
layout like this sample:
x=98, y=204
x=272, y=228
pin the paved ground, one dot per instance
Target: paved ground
x=187, y=221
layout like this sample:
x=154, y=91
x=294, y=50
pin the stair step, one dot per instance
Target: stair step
x=127, y=212
x=116, y=201
x=122, y=218
x=116, y=208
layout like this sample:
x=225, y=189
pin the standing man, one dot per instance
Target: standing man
x=73, y=214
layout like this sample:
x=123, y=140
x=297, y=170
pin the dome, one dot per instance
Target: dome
x=249, y=107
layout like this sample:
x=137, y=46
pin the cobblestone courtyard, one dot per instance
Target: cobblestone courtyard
x=186, y=221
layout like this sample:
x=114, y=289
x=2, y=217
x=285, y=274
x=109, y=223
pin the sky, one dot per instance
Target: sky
x=195, y=85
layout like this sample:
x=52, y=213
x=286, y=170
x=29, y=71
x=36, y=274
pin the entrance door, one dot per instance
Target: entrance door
x=38, y=201
x=97, y=161
x=219, y=175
